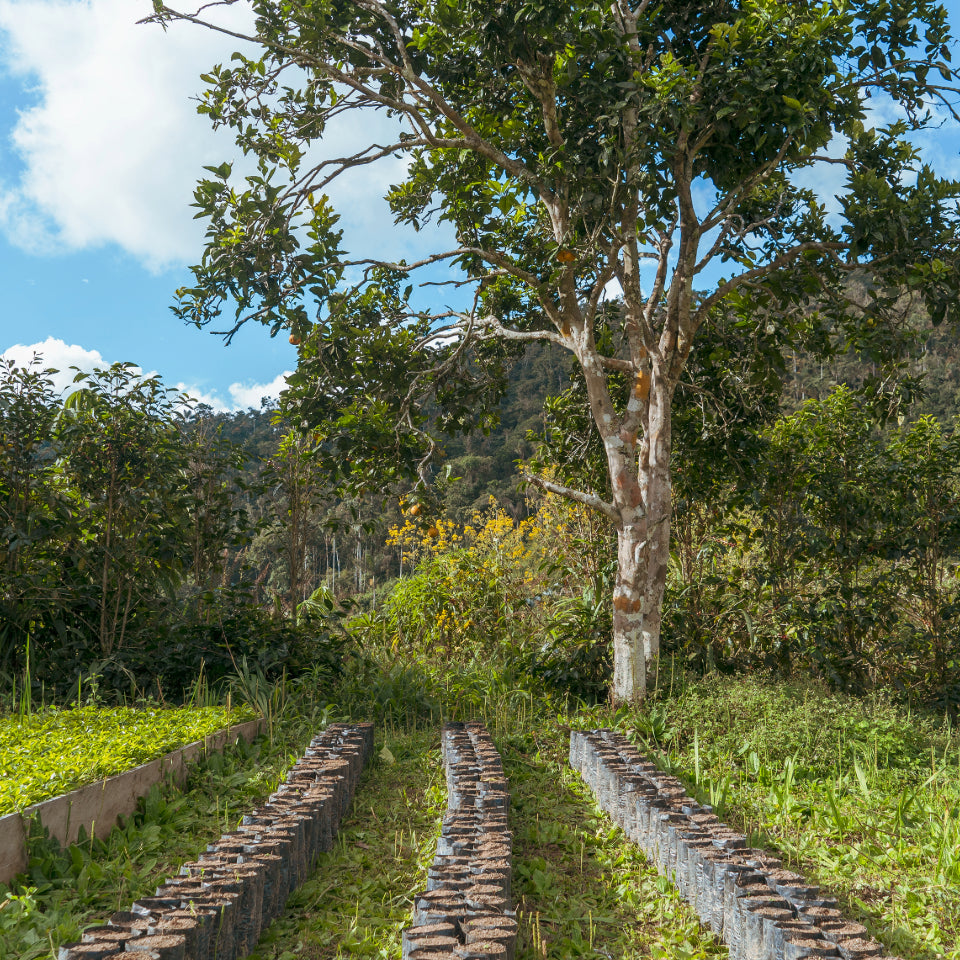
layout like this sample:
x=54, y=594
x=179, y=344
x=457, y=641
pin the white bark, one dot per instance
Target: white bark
x=643, y=546
x=657, y=496
x=629, y=662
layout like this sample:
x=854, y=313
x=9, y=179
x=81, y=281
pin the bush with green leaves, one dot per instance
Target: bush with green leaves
x=859, y=793
x=839, y=556
x=121, y=512
x=527, y=598
x=178, y=652
x=35, y=512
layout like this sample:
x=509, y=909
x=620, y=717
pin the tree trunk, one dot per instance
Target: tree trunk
x=656, y=483
x=643, y=552
x=629, y=663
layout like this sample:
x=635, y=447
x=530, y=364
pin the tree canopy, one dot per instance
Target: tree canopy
x=618, y=176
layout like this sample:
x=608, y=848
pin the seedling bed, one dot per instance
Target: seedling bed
x=48, y=753
x=465, y=911
x=761, y=910
x=218, y=905
x=97, y=807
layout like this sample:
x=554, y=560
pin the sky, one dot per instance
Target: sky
x=100, y=149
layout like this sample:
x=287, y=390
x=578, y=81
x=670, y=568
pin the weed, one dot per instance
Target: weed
x=582, y=889
x=361, y=896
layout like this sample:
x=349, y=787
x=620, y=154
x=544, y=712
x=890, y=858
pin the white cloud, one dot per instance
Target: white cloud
x=250, y=395
x=212, y=400
x=111, y=145
x=242, y=395
x=61, y=356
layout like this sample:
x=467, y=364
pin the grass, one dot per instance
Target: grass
x=861, y=795
x=52, y=751
x=583, y=890
x=361, y=896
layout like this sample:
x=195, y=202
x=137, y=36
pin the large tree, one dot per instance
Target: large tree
x=663, y=151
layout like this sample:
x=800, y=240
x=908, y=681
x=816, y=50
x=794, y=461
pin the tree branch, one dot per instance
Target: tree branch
x=750, y=275
x=590, y=500
x=492, y=327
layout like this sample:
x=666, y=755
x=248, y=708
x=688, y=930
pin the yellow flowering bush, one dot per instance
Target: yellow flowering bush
x=560, y=533
x=522, y=592
x=471, y=583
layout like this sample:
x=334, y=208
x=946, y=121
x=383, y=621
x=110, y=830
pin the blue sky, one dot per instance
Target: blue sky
x=100, y=147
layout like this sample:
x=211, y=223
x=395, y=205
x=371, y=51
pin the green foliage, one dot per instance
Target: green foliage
x=48, y=753
x=564, y=145
x=838, y=556
x=115, y=513
x=582, y=889
x=504, y=595
x=218, y=525
x=34, y=511
x=858, y=793
x=574, y=655
x=736, y=99
x=124, y=467
x=485, y=462
x=469, y=589
x=178, y=652
x=128, y=516
x=65, y=891
x=730, y=390
x=390, y=691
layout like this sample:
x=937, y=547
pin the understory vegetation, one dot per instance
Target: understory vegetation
x=859, y=794
x=841, y=562
x=153, y=545
x=505, y=621
x=134, y=529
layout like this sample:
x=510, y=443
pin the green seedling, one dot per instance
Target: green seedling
x=47, y=753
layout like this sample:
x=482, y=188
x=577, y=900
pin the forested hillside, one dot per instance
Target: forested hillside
x=807, y=533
